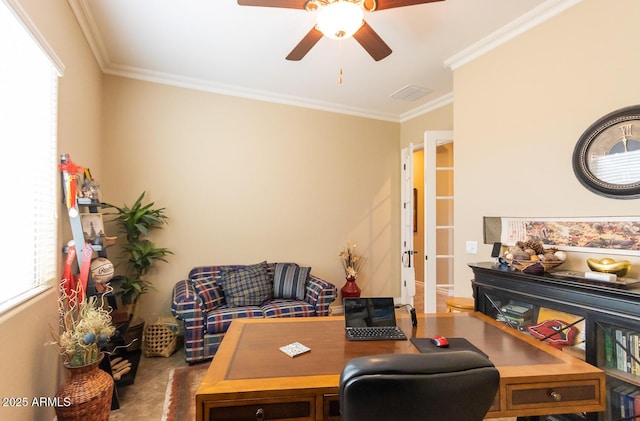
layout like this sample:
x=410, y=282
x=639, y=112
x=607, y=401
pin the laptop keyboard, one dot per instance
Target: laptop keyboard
x=385, y=333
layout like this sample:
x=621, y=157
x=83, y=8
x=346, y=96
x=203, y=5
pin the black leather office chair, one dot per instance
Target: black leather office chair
x=442, y=386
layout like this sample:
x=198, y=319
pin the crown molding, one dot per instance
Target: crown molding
x=230, y=90
x=267, y=96
x=428, y=107
x=90, y=31
x=529, y=20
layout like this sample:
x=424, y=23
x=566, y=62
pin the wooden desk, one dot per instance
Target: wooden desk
x=249, y=375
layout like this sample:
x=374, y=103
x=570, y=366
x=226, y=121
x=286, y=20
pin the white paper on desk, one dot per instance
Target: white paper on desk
x=294, y=349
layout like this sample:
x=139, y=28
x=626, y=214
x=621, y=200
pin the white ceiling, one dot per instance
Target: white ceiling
x=219, y=46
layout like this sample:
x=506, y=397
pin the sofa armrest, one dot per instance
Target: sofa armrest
x=320, y=294
x=186, y=304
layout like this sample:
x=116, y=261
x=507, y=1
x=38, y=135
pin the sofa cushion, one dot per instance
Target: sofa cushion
x=289, y=281
x=288, y=308
x=249, y=286
x=218, y=320
x=211, y=271
x=209, y=291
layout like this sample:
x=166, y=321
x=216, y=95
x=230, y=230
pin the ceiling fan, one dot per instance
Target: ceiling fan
x=339, y=19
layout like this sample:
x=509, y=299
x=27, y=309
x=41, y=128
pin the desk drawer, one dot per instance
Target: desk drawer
x=299, y=408
x=331, y=407
x=553, y=394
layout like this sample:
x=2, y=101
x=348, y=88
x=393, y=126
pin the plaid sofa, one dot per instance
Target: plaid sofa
x=200, y=303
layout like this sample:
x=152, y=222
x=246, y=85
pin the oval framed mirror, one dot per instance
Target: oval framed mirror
x=606, y=159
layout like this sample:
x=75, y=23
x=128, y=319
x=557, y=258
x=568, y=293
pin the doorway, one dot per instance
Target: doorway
x=433, y=235
x=444, y=223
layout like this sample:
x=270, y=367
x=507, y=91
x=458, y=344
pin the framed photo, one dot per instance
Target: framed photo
x=415, y=210
x=92, y=226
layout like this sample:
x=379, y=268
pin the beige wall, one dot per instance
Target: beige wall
x=412, y=131
x=245, y=181
x=29, y=368
x=519, y=111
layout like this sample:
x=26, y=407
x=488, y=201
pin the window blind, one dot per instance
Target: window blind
x=28, y=164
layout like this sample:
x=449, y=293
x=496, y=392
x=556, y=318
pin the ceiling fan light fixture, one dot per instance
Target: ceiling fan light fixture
x=340, y=19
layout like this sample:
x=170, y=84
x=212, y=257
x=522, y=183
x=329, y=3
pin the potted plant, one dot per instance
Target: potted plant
x=140, y=253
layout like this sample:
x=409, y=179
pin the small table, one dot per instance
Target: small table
x=459, y=304
x=250, y=377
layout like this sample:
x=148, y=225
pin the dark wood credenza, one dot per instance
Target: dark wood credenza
x=607, y=320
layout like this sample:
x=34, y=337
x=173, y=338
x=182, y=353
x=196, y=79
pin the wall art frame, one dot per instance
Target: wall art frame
x=609, y=235
x=92, y=226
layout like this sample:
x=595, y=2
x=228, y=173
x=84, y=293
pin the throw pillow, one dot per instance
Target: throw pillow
x=249, y=286
x=290, y=281
x=209, y=291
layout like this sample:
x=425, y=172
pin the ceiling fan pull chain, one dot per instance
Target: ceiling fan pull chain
x=340, y=60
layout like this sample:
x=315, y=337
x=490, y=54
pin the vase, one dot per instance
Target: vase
x=350, y=289
x=86, y=394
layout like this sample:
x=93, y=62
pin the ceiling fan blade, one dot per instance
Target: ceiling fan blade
x=286, y=4
x=390, y=4
x=371, y=42
x=306, y=44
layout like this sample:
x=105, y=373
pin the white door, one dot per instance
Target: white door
x=408, y=272
x=432, y=139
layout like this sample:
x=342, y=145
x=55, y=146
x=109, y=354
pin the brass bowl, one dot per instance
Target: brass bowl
x=607, y=265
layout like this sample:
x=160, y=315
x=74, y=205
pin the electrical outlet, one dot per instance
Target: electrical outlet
x=472, y=247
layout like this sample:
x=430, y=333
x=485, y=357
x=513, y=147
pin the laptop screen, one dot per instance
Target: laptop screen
x=369, y=312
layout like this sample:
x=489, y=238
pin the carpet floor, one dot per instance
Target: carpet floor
x=180, y=399
x=144, y=400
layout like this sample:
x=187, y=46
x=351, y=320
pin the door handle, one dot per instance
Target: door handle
x=408, y=254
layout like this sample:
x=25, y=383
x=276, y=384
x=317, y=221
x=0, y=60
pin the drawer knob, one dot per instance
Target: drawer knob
x=260, y=414
x=556, y=396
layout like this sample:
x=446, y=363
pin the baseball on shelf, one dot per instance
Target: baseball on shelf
x=101, y=270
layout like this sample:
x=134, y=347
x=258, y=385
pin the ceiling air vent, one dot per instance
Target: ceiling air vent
x=410, y=93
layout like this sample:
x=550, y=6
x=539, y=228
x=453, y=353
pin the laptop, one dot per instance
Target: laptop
x=371, y=319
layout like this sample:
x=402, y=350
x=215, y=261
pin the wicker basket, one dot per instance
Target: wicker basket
x=534, y=266
x=159, y=340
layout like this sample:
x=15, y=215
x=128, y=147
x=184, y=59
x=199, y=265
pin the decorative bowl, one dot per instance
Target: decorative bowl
x=607, y=265
x=535, y=267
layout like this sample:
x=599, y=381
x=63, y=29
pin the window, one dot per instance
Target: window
x=28, y=169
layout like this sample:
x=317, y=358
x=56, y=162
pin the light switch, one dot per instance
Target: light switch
x=472, y=247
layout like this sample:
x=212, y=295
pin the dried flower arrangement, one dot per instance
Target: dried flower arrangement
x=351, y=262
x=86, y=326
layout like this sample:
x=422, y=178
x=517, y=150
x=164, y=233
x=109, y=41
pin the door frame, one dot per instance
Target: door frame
x=432, y=139
x=407, y=270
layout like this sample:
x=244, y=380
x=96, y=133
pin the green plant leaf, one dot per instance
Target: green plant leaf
x=140, y=254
